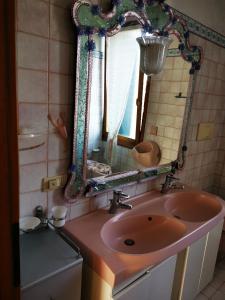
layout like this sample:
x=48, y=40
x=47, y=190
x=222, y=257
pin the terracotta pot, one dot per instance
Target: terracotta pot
x=147, y=154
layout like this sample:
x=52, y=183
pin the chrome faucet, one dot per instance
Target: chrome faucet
x=168, y=184
x=116, y=203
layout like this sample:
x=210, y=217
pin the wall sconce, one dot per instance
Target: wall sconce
x=153, y=53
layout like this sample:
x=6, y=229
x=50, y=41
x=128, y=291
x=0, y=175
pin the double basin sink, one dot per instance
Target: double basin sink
x=138, y=234
x=157, y=227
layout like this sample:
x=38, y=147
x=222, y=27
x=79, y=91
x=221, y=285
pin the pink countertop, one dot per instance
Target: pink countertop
x=116, y=267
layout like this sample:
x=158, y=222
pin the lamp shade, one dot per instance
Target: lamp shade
x=153, y=53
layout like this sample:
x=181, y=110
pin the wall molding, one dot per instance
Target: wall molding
x=202, y=30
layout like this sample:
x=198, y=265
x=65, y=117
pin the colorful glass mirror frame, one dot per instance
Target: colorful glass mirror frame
x=154, y=16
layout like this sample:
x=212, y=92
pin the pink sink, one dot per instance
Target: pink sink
x=141, y=233
x=192, y=206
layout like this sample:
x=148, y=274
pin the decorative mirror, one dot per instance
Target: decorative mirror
x=130, y=124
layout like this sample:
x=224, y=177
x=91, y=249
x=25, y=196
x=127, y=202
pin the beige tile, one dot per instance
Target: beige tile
x=33, y=17
x=32, y=86
x=175, y=87
x=165, y=86
x=177, y=75
x=56, y=197
x=169, y=132
x=178, y=63
x=65, y=111
x=153, y=107
x=60, y=89
x=167, y=143
x=61, y=24
x=142, y=188
x=32, y=52
x=186, y=75
x=31, y=176
x=29, y=201
x=33, y=116
x=58, y=167
x=184, y=88
x=62, y=58
x=167, y=74
x=80, y=209
x=57, y=149
x=155, y=87
x=169, y=63
x=130, y=190
x=34, y=155
x=99, y=201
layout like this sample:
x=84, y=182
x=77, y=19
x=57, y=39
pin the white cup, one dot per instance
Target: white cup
x=59, y=215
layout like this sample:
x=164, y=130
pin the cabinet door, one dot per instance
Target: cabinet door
x=192, y=270
x=157, y=284
x=63, y=286
x=209, y=261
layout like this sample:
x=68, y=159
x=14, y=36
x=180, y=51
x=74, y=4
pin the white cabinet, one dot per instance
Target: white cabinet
x=210, y=254
x=64, y=286
x=155, y=284
x=195, y=265
x=189, y=277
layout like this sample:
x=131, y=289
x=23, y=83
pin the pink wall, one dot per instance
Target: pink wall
x=45, y=60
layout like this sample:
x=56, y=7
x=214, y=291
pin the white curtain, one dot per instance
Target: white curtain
x=122, y=53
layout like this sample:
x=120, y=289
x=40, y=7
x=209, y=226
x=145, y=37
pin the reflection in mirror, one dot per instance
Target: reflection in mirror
x=135, y=120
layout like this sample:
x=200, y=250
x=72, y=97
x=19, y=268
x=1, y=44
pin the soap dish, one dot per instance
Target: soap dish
x=29, y=223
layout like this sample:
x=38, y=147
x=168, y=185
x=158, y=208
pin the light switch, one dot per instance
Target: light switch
x=153, y=130
x=53, y=183
x=205, y=131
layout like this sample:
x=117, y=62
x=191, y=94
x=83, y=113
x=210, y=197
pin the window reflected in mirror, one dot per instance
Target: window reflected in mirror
x=123, y=117
x=135, y=120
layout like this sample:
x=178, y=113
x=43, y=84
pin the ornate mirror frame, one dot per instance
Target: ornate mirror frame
x=153, y=16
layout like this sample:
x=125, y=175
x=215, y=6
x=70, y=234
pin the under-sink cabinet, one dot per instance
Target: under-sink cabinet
x=180, y=277
x=144, y=285
x=195, y=265
x=147, y=286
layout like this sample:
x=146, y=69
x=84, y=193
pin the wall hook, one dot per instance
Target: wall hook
x=59, y=125
x=180, y=96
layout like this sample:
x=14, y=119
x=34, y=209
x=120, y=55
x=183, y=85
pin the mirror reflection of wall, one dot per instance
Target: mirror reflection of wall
x=128, y=108
x=166, y=110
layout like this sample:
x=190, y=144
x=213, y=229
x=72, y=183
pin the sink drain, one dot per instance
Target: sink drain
x=177, y=217
x=150, y=218
x=129, y=242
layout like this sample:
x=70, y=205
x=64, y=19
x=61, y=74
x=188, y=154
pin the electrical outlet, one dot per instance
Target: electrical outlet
x=205, y=131
x=53, y=183
x=153, y=130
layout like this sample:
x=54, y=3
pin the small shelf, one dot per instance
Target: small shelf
x=28, y=139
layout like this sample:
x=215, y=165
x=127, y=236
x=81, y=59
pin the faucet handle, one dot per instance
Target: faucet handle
x=120, y=194
x=172, y=177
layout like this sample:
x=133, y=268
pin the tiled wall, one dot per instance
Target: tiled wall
x=165, y=112
x=205, y=158
x=45, y=69
x=45, y=59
